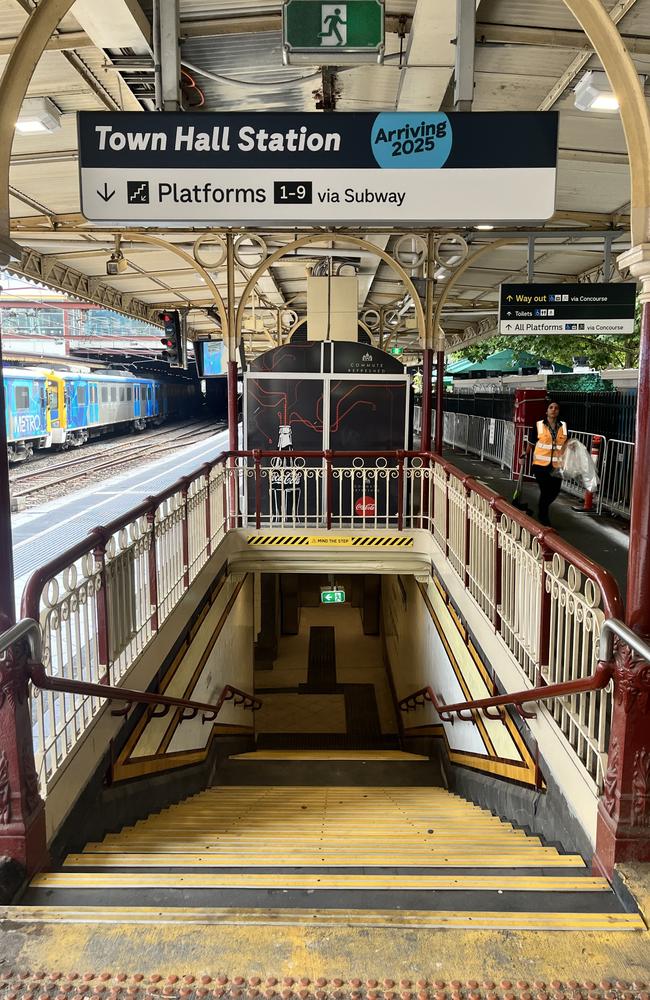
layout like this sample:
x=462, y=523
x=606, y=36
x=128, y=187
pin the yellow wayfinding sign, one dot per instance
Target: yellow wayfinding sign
x=334, y=541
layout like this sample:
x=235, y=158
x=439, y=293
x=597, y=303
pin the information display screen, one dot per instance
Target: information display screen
x=211, y=358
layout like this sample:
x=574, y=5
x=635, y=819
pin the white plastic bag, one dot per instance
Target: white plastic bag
x=577, y=463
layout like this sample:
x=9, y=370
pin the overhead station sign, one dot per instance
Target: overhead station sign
x=267, y=168
x=604, y=308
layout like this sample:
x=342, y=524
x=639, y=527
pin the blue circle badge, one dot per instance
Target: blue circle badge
x=413, y=141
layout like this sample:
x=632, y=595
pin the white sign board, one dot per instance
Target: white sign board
x=407, y=169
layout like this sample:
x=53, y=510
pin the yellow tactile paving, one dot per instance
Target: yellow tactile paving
x=279, y=880
x=339, y=826
x=156, y=915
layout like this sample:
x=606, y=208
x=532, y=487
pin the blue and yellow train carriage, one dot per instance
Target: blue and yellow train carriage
x=27, y=414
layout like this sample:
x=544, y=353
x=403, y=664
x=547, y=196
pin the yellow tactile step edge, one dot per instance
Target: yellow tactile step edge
x=326, y=918
x=240, y=860
x=363, y=755
x=210, y=880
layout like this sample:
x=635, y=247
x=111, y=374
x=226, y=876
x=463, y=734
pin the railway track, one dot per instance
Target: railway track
x=57, y=479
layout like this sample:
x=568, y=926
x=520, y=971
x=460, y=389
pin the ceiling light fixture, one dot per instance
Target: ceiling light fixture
x=38, y=114
x=594, y=93
x=485, y=226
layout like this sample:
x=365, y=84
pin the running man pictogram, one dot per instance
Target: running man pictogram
x=331, y=22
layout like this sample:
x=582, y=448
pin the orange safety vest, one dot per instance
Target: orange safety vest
x=547, y=450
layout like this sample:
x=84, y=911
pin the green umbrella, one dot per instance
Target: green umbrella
x=504, y=362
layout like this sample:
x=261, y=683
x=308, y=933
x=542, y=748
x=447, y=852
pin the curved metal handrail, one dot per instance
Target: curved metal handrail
x=30, y=630
x=190, y=709
x=598, y=680
x=601, y=677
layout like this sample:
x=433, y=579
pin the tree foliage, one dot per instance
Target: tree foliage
x=600, y=352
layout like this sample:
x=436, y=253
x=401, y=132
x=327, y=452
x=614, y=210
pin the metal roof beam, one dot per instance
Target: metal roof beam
x=58, y=43
x=554, y=38
x=52, y=273
x=617, y=13
x=256, y=24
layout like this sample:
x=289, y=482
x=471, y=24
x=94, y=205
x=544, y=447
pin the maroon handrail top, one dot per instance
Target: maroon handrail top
x=612, y=603
x=41, y=679
x=598, y=680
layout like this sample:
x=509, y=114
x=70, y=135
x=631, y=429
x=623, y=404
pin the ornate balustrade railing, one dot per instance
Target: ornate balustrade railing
x=102, y=601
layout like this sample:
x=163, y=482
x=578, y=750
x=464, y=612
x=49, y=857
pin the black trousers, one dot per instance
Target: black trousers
x=549, y=487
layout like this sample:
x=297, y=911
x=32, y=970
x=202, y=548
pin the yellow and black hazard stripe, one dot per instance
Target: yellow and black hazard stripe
x=278, y=540
x=395, y=541
x=334, y=541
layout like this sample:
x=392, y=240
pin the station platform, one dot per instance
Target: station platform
x=604, y=539
x=43, y=533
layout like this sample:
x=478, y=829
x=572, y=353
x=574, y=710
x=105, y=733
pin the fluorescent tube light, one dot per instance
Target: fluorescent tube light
x=38, y=114
x=594, y=93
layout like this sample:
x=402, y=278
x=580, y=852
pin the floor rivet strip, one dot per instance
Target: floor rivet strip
x=21, y=984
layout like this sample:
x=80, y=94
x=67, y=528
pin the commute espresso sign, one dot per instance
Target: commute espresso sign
x=266, y=168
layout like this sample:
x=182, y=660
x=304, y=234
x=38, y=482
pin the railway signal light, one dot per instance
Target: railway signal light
x=173, y=339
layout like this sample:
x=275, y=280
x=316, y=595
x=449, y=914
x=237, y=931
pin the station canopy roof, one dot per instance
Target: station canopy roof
x=530, y=54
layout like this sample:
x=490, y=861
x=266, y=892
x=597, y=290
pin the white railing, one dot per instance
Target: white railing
x=574, y=629
x=615, y=493
x=100, y=604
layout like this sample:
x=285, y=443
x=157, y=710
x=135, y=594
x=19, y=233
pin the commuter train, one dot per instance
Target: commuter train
x=46, y=409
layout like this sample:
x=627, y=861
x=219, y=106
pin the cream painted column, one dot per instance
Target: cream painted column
x=18, y=72
x=621, y=72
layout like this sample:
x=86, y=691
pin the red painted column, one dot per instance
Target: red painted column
x=233, y=417
x=427, y=371
x=623, y=832
x=22, y=811
x=440, y=396
x=638, y=571
x=7, y=599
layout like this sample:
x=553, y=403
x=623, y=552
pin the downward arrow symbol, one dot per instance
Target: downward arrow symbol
x=105, y=196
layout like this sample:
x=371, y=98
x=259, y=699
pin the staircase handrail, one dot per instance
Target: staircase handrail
x=30, y=630
x=601, y=677
x=598, y=680
x=612, y=604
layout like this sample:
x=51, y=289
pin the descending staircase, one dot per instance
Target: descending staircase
x=279, y=838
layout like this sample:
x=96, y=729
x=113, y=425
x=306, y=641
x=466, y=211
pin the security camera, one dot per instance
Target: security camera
x=116, y=264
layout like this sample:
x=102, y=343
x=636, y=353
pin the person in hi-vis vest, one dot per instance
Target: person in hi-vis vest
x=548, y=438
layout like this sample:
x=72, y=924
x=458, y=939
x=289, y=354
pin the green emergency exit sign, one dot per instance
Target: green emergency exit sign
x=333, y=30
x=332, y=597
x=397, y=351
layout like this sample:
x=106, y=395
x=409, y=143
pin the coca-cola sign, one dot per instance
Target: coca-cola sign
x=365, y=507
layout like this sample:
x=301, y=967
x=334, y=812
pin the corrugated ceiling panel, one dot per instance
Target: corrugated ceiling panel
x=579, y=130
x=55, y=185
x=256, y=59
x=522, y=60
x=509, y=93
x=595, y=187
x=532, y=13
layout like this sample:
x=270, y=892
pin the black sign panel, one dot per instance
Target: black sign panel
x=602, y=308
x=458, y=140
